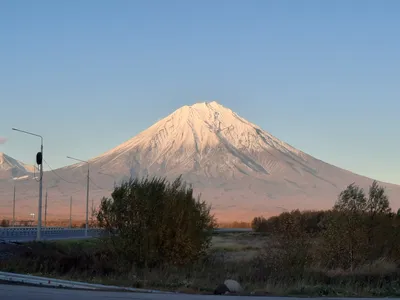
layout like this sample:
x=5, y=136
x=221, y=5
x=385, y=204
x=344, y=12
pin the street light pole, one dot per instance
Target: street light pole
x=70, y=212
x=87, y=194
x=45, y=211
x=13, y=222
x=40, y=163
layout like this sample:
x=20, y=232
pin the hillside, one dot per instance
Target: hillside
x=11, y=168
x=237, y=166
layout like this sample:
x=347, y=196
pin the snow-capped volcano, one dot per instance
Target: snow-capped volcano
x=11, y=168
x=203, y=126
x=235, y=164
x=205, y=138
x=239, y=168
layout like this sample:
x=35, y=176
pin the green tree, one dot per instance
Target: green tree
x=352, y=199
x=344, y=240
x=258, y=224
x=378, y=221
x=378, y=201
x=153, y=222
x=359, y=227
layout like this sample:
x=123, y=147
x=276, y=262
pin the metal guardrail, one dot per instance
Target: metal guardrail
x=50, y=233
x=54, y=233
x=53, y=282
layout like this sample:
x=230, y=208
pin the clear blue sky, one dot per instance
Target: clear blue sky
x=323, y=76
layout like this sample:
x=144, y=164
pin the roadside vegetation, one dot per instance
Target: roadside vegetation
x=235, y=225
x=165, y=241
x=352, y=248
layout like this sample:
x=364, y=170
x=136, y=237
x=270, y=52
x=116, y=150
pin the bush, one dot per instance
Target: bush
x=5, y=223
x=308, y=222
x=360, y=229
x=259, y=224
x=153, y=222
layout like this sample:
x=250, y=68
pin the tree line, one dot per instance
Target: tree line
x=359, y=229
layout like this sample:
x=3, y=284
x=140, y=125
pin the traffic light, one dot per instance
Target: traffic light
x=39, y=158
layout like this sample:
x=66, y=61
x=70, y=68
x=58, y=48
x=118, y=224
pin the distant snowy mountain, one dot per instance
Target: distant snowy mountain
x=238, y=167
x=205, y=139
x=11, y=168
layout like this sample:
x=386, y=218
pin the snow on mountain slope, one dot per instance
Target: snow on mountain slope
x=11, y=168
x=192, y=137
x=238, y=167
x=231, y=161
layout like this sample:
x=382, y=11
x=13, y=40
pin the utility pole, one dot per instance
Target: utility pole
x=45, y=211
x=13, y=222
x=70, y=212
x=39, y=161
x=87, y=202
x=92, y=213
x=87, y=194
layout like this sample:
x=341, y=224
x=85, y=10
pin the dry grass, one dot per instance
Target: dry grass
x=238, y=247
x=234, y=224
x=256, y=261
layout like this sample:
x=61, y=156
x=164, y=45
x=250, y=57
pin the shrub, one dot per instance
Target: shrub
x=5, y=223
x=360, y=229
x=259, y=224
x=154, y=222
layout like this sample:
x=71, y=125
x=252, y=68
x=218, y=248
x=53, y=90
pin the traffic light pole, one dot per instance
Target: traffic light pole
x=39, y=161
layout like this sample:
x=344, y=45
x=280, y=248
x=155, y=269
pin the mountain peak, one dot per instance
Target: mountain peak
x=210, y=115
x=197, y=127
x=12, y=168
x=191, y=135
x=4, y=158
x=205, y=106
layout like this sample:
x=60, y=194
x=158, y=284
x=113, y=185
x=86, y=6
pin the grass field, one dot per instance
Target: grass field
x=254, y=260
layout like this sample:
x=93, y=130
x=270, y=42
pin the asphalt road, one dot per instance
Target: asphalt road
x=21, y=292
